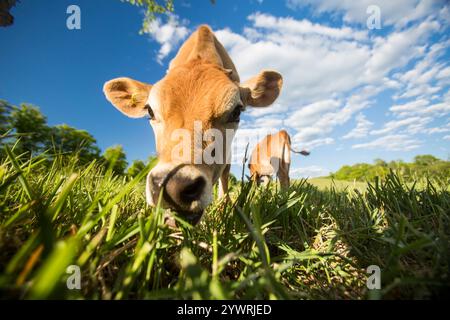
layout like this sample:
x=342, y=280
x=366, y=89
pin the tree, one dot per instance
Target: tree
x=27, y=128
x=5, y=121
x=6, y=19
x=425, y=160
x=65, y=139
x=424, y=166
x=30, y=126
x=115, y=158
x=232, y=179
x=439, y=169
x=380, y=162
x=153, y=8
x=136, y=167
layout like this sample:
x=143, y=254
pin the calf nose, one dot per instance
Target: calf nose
x=153, y=188
x=192, y=191
x=184, y=190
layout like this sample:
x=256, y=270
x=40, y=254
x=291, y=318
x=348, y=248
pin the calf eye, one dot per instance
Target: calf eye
x=236, y=114
x=150, y=112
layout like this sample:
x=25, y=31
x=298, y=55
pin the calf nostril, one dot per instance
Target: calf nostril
x=156, y=181
x=192, y=191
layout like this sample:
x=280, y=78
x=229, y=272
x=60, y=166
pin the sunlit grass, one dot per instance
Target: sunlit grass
x=325, y=183
x=339, y=185
x=307, y=243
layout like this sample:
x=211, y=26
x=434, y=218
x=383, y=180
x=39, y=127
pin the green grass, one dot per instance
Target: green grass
x=307, y=243
x=323, y=183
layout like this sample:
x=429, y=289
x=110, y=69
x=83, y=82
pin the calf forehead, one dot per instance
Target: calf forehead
x=195, y=93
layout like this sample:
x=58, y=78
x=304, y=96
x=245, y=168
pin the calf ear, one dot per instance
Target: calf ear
x=128, y=95
x=263, y=89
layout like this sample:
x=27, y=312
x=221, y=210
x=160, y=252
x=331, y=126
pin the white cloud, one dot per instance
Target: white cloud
x=409, y=107
x=399, y=12
x=362, y=128
x=421, y=90
x=428, y=76
x=413, y=125
x=397, y=49
x=303, y=27
x=169, y=35
x=314, y=67
x=422, y=107
x=329, y=73
x=309, y=172
x=271, y=121
x=312, y=144
x=333, y=72
x=440, y=109
x=447, y=137
x=276, y=108
x=444, y=73
x=438, y=130
x=312, y=113
x=395, y=142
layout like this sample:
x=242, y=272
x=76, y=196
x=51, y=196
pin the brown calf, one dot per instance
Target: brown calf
x=200, y=90
x=272, y=155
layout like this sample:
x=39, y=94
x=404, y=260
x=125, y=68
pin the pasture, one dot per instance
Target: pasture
x=324, y=183
x=308, y=243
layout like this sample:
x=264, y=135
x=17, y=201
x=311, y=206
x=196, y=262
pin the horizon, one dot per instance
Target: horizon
x=390, y=100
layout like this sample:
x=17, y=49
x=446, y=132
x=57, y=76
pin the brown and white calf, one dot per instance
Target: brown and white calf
x=272, y=155
x=202, y=90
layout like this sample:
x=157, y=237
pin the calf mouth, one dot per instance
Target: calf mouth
x=192, y=217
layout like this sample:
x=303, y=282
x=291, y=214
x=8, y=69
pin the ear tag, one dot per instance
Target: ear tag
x=133, y=100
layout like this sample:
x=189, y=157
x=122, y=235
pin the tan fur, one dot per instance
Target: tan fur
x=128, y=96
x=272, y=155
x=204, y=45
x=202, y=84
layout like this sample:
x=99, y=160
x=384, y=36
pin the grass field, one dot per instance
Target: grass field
x=338, y=185
x=307, y=243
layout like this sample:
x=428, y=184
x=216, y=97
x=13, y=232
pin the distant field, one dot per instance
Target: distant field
x=326, y=183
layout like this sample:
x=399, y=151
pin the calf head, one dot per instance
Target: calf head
x=200, y=93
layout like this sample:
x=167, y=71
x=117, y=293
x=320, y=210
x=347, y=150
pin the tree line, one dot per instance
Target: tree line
x=25, y=129
x=423, y=166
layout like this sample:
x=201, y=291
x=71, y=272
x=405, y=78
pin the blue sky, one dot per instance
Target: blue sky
x=351, y=94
